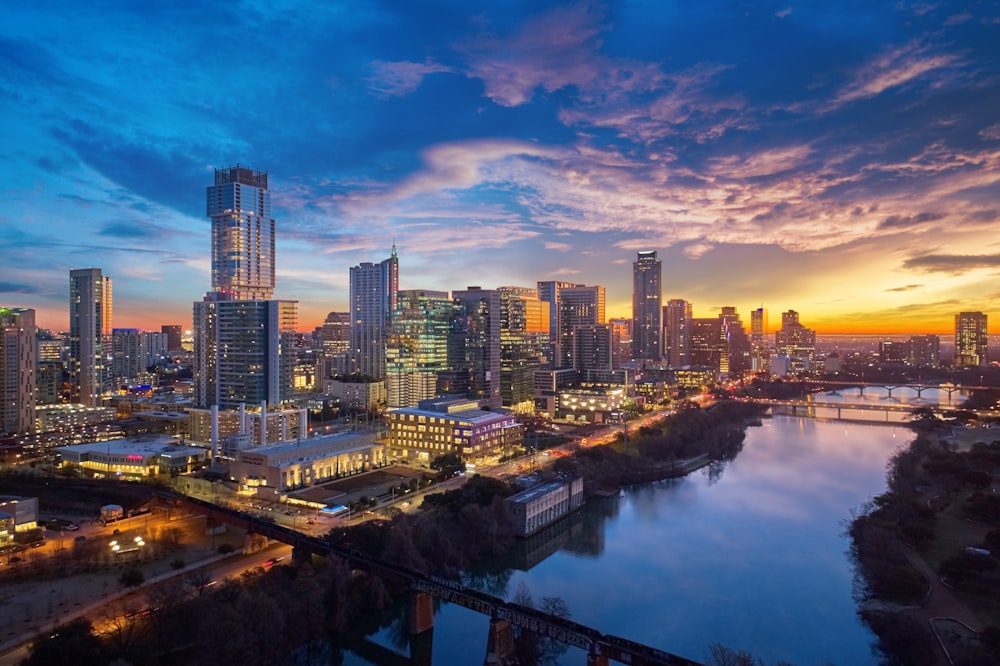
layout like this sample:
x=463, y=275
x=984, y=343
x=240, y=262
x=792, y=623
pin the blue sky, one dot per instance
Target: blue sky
x=840, y=158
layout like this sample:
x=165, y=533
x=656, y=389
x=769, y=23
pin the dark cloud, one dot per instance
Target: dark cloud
x=907, y=221
x=909, y=287
x=950, y=263
x=16, y=288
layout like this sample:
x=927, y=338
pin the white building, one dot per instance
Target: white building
x=134, y=457
x=534, y=508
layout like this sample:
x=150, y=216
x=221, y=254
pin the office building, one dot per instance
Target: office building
x=971, y=340
x=708, y=347
x=475, y=344
x=333, y=345
x=524, y=342
x=417, y=346
x=89, y=336
x=925, y=351
x=758, y=339
x=239, y=205
x=373, y=294
x=17, y=370
x=796, y=342
x=591, y=348
x=173, y=333
x=677, y=317
x=621, y=341
x=646, y=330
x=243, y=352
x=579, y=306
x=439, y=427
x=133, y=351
x=737, y=354
x=549, y=293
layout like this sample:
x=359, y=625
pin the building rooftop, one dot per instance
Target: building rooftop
x=144, y=445
x=530, y=494
x=342, y=440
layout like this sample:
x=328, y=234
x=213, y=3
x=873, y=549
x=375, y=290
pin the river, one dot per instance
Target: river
x=753, y=557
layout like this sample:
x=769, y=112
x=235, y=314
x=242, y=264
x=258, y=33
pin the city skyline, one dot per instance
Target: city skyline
x=848, y=172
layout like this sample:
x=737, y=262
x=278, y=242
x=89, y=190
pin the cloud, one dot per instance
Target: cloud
x=891, y=69
x=908, y=221
x=395, y=79
x=16, y=288
x=954, y=264
x=909, y=287
x=991, y=133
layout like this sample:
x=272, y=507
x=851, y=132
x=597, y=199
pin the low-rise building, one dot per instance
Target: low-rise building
x=22, y=513
x=593, y=405
x=532, y=509
x=135, y=457
x=439, y=427
x=281, y=467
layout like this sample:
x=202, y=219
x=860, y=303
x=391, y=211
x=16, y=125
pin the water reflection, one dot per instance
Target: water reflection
x=756, y=561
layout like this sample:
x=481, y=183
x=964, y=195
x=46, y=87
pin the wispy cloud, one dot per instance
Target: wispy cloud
x=893, y=68
x=395, y=79
x=944, y=263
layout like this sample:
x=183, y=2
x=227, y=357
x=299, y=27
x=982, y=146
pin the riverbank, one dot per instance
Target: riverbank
x=925, y=553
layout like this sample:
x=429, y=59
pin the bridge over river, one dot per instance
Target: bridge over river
x=504, y=615
x=859, y=411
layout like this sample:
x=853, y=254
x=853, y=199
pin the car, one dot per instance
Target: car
x=72, y=527
x=14, y=560
x=36, y=544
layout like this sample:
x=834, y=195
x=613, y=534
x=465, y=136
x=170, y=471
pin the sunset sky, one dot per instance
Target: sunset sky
x=837, y=158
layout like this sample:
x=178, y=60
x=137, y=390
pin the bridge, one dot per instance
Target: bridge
x=919, y=388
x=504, y=615
x=844, y=409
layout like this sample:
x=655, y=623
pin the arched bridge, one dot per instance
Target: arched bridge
x=600, y=647
x=919, y=388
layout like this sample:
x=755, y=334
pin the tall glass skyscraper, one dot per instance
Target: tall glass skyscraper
x=89, y=335
x=646, y=274
x=374, y=290
x=971, y=339
x=242, y=233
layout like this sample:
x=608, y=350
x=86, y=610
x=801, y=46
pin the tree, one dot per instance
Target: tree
x=448, y=463
x=132, y=577
x=70, y=643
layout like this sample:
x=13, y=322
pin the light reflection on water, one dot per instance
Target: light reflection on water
x=755, y=560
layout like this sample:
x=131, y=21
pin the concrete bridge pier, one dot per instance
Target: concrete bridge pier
x=422, y=649
x=500, y=644
x=597, y=659
x=421, y=612
x=254, y=543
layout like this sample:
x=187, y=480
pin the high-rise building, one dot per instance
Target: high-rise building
x=17, y=370
x=417, y=346
x=621, y=341
x=89, y=336
x=707, y=343
x=646, y=294
x=333, y=342
x=133, y=351
x=736, y=359
x=476, y=342
x=796, y=342
x=173, y=333
x=243, y=342
x=243, y=352
x=373, y=293
x=591, y=347
x=677, y=316
x=758, y=339
x=578, y=305
x=971, y=339
x=242, y=234
x=925, y=351
x=549, y=293
x=524, y=342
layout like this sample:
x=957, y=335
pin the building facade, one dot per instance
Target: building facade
x=795, y=342
x=90, y=311
x=440, y=428
x=532, y=509
x=475, y=345
x=373, y=298
x=524, y=343
x=417, y=346
x=677, y=316
x=239, y=205
x=17, y=370
x=971, y=339
x=646, y=295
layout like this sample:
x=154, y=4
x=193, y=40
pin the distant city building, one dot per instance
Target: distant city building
x=90, y=310
x=476, y=342
x=736, y=348
x=363, y=394
x=134, y=350
x=227, y=432
x=621, y=341
x=893, y=352
x=579, y=306
x=417, y=346
x=708, y=348
x=373, y=293
x=646, y=294
x=173, y=333
x=17, y=370
x=595, y=404
x=333, y=340
x=925, y=351
x=591, y=347
x=549, y=293
x=796, y=342
x=524, y=342
x=758, y=339
x=243, y=260
x=971, y=339
x=677, y=317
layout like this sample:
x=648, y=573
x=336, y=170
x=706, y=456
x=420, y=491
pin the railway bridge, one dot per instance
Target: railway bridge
x=504, y=615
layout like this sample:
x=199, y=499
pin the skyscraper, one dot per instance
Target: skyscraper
x=549, y=293
x=476, y=342
x=758, y=338
x=646, y=294
x=677, y=316
x=243, y=342
x=373, y=294
x=796, y=342
x=89, y=335
x=736, y=359
x=242, y=233
x=579, y=306
x=17, y=370
x=417, y=346
x=524, y=343
x=971, y=339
